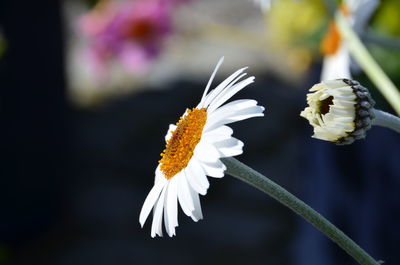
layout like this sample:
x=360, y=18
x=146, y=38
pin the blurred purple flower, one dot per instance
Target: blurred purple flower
x=130, y=33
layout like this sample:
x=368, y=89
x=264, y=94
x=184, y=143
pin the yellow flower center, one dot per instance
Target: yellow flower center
x=180, y=147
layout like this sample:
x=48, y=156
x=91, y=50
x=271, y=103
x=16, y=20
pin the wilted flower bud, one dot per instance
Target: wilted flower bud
x=340, y=111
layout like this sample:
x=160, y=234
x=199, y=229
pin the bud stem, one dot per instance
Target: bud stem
x=368, y=64
x=246, y=174
x=387, y=120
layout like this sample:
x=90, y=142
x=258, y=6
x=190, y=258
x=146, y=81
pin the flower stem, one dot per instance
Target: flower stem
x=368, y=64
x=387, y=120
x=239, y=170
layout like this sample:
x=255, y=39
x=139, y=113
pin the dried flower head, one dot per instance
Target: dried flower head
x=340, y=111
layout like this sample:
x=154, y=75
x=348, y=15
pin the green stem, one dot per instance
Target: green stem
x=387, y=120
x=368, y=64
x=239, y=170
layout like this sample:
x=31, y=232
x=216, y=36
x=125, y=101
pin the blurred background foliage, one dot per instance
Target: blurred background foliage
x=83, y=129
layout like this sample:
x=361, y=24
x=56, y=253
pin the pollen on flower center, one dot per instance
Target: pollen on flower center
x=180, y=147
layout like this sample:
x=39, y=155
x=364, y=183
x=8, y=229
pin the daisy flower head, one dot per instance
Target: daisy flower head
x=340, y=111
x=194, y=146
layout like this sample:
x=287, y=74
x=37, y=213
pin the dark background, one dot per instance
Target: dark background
x=73, y=180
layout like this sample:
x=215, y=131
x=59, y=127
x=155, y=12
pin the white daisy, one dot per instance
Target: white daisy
x=336, y=62
x=193, y=150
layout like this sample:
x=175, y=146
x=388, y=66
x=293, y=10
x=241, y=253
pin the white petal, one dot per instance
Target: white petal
x=206, y=152
x=238, y=105
x=256, y=111
x=159, y=175
x=156, y=228
x=200, y=174
x=344, y=119
x=184, y=197
x=233, y=110
x=166, y=219
x=194, y=178
x=222, y=130
x=171, y=128
x=201, y=104
x=151, y=199
x=215, y=170
x=171, y=206
x=193, y=182
x=217, y=135
x=228, y=93
x=226, y=88
x=225, y=116
x=230, y=147
x=226, y=83
x=197, y=213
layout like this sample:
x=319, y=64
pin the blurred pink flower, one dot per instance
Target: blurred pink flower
x=130, y=33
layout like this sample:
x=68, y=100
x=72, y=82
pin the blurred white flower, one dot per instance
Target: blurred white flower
x=336, y=62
